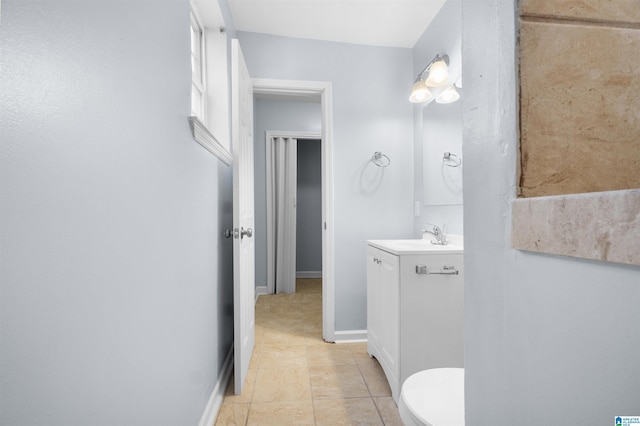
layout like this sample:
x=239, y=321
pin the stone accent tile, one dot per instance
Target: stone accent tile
x=232, y=415
x=388, y=411
x=279, y=413
x=338, y=381
x=282, y=384
x=623, y=11
x=601, y=226
x=580, y=129
x=352, y=411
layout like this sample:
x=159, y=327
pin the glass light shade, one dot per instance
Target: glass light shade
x=420, y=93
x=448, y=96
x=438, y=74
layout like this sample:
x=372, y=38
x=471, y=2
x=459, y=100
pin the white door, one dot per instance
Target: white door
x=243, y=217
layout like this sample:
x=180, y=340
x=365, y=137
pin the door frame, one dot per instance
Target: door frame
x=322, y=90
x=269, y=136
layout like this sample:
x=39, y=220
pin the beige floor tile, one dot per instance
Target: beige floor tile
x=283, y=337
x=285, y=325
x=232, y=415
x=288, y=308
x=313, y=327
x=363, y=358
x=311, y=302
x=312, y=317
x=371, y=369
x=388, y=411
x=338, y=381
x=358, y=348
x=247, y=390
x=284, y=298
x=313, y=337
x=284, y=319
x=329, y=354
x=282, y=384
x=351, y=411
x=309, y=285
x=374, y=377
x=274, y=355
x=313, y=298
x=378, y=387
x=255, y=358
x=280, y=413
x=265, y=301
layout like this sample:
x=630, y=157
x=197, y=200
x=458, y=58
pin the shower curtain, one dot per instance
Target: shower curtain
x=281, y=214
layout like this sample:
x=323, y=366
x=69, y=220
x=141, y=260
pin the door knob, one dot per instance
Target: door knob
x=242, y=233
x=248, y=232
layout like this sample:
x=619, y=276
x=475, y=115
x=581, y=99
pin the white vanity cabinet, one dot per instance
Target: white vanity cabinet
x=383, y=303
x=414, y=307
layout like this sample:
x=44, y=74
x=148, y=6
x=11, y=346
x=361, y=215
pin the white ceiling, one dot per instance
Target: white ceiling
x=395, y=23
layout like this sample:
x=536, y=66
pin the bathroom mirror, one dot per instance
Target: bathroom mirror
x=442, y=133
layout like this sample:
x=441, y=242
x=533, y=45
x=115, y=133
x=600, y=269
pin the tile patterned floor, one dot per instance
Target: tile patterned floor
x=295, y=378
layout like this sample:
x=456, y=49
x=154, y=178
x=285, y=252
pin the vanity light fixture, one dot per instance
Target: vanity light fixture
x=435, y=74
x=420, y=92
x=448, y=96
x=438, y=71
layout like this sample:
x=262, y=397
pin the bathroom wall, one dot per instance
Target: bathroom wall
x=282, y=115
x=116, y=281
x=548, y=339
x=437, y=188
x=309, y=209
x=371, y=113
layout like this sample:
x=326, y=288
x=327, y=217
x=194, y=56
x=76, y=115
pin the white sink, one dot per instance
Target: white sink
x=415, y=246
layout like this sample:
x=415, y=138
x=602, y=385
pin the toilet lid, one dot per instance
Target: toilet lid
x=435, y=397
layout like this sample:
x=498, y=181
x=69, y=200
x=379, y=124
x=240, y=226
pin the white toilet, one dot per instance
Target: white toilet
x=433, y=397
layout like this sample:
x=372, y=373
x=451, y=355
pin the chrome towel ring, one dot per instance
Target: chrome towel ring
x=451, y=160
x=380, y=159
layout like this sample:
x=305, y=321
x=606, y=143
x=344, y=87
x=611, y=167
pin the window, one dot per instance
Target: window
x=198, y=81
x=209, y=107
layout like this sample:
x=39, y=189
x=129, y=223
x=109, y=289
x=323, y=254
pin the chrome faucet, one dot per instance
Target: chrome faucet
x=438, y=233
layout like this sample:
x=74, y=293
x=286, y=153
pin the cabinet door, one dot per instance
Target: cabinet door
x=390, y=307
x=374, y=313
x=432, y=314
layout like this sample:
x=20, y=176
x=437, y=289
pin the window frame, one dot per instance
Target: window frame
x=198, y=75
x=209, y=72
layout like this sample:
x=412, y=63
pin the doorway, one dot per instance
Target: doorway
x=293, y=208
x=320, y=92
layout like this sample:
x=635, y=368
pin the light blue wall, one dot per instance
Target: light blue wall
x=443, y=36
x=116, y=282
x=280, y=115
x=548, y=339
x=370, y=113
x=309, y=207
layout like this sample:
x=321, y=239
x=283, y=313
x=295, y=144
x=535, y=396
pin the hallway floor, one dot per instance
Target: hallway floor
x=295, y=378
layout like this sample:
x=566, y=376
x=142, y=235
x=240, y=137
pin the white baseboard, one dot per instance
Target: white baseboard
x=351, y=336
x=215, y=400
x=308, y=274
x=260, y=289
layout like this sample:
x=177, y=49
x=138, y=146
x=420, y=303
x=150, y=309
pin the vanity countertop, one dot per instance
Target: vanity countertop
x=416, y=246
